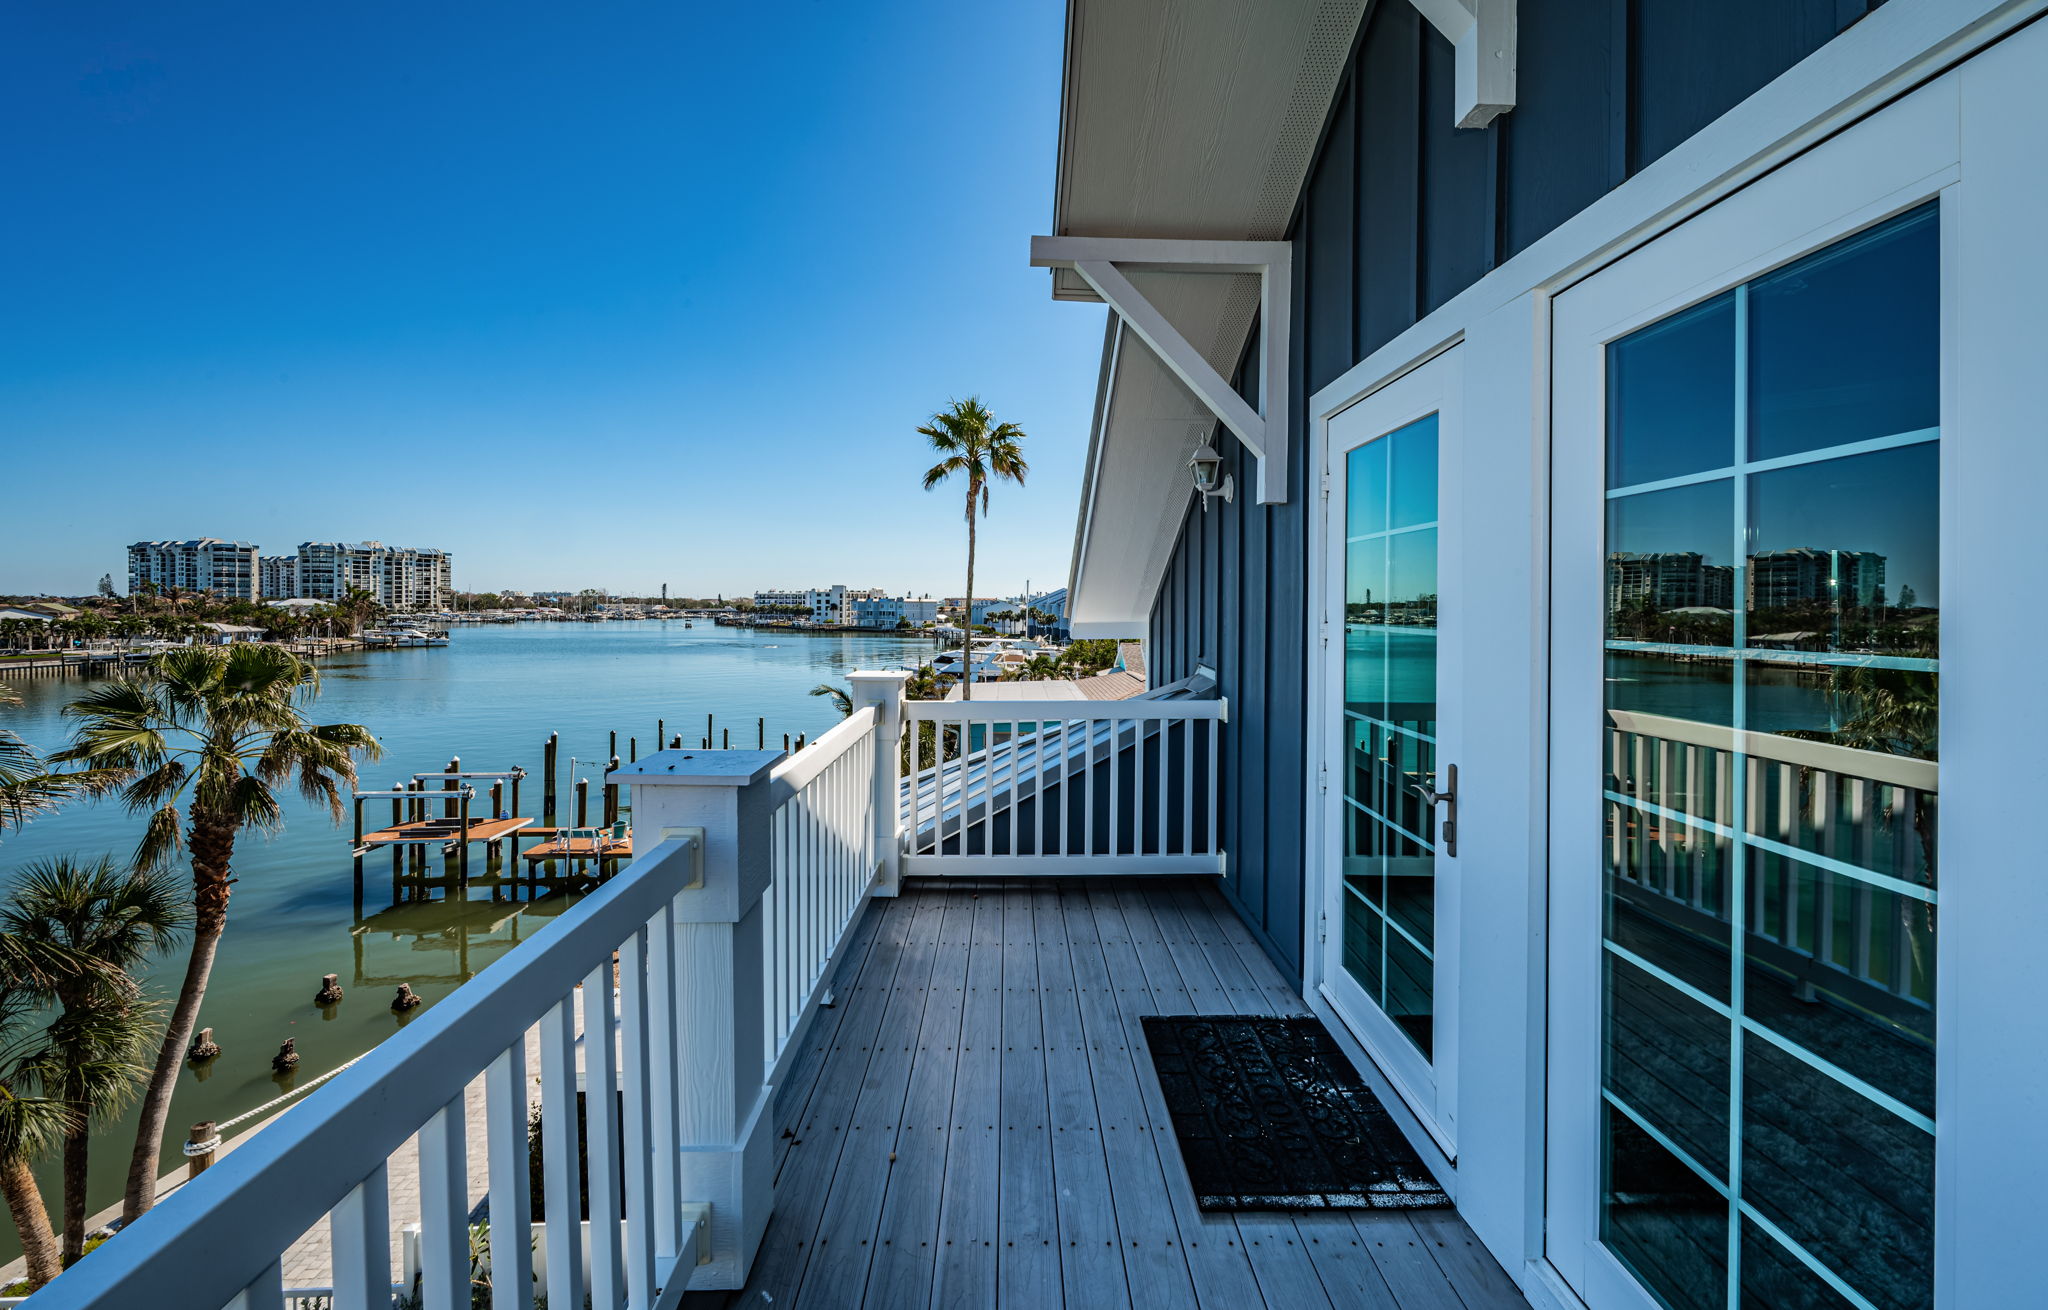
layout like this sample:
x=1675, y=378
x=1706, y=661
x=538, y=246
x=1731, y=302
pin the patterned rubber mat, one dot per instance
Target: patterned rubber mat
x=1270, y=1115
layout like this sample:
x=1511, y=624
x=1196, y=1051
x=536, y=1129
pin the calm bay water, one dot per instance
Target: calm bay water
x=491, y=697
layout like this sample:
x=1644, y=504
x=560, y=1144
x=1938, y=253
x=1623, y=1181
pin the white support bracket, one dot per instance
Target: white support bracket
x=1482, y=33
x=1099, y=261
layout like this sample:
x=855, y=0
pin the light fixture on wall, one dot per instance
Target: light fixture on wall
x=1210, y=479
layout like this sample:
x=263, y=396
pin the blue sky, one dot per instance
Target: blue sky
x=600, y=294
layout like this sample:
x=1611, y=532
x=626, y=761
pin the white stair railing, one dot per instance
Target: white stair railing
x=1052, y=787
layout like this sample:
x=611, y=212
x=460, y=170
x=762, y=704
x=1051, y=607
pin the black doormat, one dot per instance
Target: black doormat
x=1270, y=1115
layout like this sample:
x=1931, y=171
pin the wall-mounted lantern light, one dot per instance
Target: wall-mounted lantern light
x=1210, y=479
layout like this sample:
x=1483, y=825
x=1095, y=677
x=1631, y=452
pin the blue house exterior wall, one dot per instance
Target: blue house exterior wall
x=1400, y=212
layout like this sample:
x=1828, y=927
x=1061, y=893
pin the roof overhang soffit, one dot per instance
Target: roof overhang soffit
x=1100, y=262
x=1482, y=34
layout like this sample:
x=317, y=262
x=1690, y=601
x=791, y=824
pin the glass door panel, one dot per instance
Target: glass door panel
x=1388, y=907
x=1766, y=1129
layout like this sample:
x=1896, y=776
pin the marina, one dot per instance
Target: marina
x=507, y=697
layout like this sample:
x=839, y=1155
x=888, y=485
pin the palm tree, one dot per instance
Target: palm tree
x=30, y=1124
x=29, y=787
x=359, y=608
x=208, y=734
x=841, y=701
x=973, y=443
x=112, y=921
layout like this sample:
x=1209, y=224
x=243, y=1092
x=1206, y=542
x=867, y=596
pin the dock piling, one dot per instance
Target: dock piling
x=548, y=783
x=200, y=1145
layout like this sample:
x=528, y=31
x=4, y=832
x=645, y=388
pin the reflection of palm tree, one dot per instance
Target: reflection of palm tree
x=1889, y=710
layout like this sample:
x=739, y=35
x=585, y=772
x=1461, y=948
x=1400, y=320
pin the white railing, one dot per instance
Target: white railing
x=678, y=980
x=220, y=1239
x=1051, y=787
x=1840, y=844
x=822, y=831
x=718, y=940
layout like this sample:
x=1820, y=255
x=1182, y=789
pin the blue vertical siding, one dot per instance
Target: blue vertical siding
x=1399, y=213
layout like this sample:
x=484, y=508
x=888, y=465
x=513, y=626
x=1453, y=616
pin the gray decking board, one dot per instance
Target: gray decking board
x=965, y=1276
x=1072, y=1159
x=844, y=1245
x=1027, y=1217
x=819, y=1134
x=913, y=1182
x=1136, y=954
x=1149, y=1237
x=801, y=1078
x=1091, y=1254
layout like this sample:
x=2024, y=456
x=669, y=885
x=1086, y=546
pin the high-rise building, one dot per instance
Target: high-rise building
x=1668, y=580
x=227, y=569
x=400, y=577
x=1806, y=575
x=278, y=576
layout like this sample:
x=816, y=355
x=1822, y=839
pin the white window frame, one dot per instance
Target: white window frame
x=1895, y=161
x=1427, y=1088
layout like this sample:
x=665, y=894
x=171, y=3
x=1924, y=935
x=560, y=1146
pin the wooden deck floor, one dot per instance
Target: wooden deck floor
x=975, y=1123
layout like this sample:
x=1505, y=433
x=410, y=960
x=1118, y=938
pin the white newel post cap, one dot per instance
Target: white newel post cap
x=725, y=795
x=877, y=686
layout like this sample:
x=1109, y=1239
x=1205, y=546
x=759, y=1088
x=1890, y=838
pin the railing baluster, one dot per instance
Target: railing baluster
x=1215, y=820
x=505, y=1150
x=444, y=1210
x=266, y=1292
x=601, y=1119
x=1116, y=786
x=661, y=1049
x=1137, y=786
x=1165, y=773
x=359, y=1231
x=1088, y=787
x=1016, y=781
x=1187, y=787
x=561, y=1151
x=636, y=1077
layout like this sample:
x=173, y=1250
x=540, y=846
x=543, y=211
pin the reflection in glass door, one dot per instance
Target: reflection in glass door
x=1388, y=918
x=1769, y=738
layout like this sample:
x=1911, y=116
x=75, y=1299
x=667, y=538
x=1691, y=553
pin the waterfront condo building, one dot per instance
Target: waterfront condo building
x=1549, y=452
x=278, y=576
x=402, y=578
x=227, y=569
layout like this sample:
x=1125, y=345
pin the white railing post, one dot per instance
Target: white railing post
x=723, y=1129
x=884, y=691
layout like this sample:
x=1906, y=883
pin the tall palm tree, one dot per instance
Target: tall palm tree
x=841, y=700
x=209, y=734
x=113, y=920
x=30, y=1124
x=973, y=443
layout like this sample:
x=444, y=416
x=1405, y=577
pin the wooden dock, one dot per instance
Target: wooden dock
x=976, y=1123
x=556, y=844
x=441, y=831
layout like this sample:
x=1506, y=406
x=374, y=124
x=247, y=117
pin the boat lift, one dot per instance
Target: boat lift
x=453, y=831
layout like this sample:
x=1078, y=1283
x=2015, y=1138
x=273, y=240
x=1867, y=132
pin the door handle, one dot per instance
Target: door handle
x=1447, y=830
